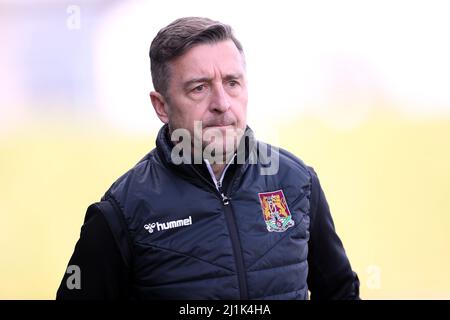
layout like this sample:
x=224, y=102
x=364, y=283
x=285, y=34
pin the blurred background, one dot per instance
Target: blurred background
x=360, y=90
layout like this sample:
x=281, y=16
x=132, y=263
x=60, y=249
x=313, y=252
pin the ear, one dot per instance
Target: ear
x=160, y=106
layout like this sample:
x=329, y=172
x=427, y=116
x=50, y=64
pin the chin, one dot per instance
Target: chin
x=218, y=149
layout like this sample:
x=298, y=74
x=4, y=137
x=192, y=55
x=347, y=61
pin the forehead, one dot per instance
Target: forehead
x=208, y=60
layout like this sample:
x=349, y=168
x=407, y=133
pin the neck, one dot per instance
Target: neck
x=218, y=170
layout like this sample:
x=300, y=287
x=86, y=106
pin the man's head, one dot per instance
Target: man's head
x=198, y=72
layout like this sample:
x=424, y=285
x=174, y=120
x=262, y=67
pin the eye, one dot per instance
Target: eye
x=233, y=83
x=199, y=88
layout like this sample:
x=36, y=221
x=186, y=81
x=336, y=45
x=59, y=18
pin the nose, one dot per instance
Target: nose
x=219, y=99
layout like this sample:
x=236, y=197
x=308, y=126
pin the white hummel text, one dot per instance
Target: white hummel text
x=150, y=227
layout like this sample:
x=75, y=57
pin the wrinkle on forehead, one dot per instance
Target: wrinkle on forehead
x=213, y=61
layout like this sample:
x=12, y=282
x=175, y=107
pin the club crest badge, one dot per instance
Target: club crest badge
x=275, y=211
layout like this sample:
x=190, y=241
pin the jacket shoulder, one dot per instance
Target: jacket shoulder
x=125, y=184
x=292, y=160
x=286, y=160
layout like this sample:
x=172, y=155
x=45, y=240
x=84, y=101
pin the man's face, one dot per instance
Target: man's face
x=208, y=84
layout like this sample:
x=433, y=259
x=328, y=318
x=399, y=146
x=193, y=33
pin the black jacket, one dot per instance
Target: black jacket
x=166, y=231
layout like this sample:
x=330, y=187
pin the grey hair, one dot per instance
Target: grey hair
x=175, y=39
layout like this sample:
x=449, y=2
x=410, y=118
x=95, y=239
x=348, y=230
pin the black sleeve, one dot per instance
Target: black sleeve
x=103, y=273
x=330, y=274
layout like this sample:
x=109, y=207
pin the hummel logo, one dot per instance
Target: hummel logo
x=168, y=225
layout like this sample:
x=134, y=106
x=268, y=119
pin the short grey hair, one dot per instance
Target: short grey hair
x=178, y=37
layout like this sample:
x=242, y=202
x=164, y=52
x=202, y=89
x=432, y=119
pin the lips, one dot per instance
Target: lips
x=220, y=122
x=219, y=125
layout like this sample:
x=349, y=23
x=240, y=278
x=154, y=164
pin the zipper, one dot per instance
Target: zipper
x=232, y=229
x=225, y=199
x=236, y=245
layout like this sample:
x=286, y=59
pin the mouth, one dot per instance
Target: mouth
x=220, y=125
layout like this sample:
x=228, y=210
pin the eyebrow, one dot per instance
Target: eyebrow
x=234, y=76
x=188, y=83
x=228, y=77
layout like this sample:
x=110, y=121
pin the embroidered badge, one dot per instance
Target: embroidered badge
x=275, y=211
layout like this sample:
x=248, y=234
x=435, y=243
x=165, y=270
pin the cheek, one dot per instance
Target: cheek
x=186, y=114
x=180, y=108
x=243, y=97
x=241, y=106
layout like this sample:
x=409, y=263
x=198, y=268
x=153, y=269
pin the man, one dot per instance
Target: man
x=210, y=213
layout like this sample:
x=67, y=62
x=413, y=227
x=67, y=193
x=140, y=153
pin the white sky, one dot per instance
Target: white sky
x=336, y=59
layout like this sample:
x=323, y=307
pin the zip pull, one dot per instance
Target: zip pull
x=225, y=199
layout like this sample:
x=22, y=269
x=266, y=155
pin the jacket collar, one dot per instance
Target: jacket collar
x=198, y=173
